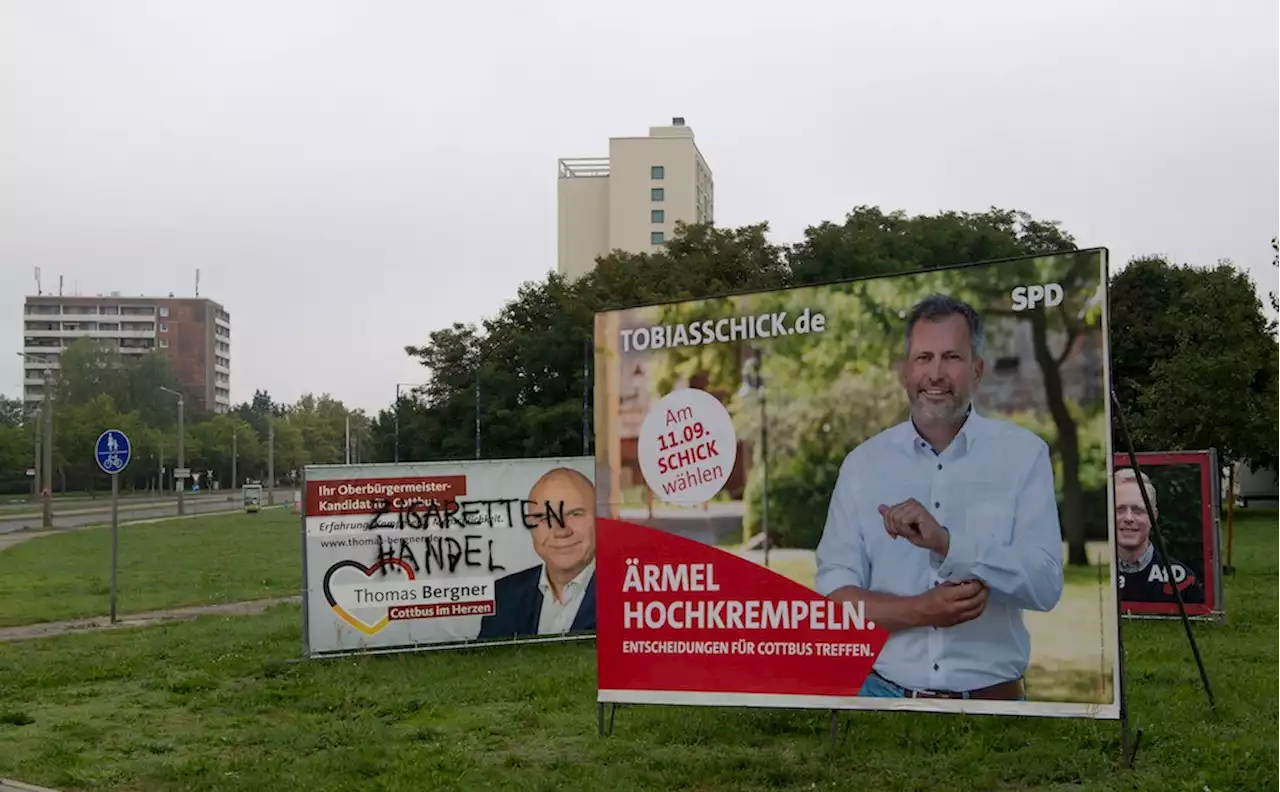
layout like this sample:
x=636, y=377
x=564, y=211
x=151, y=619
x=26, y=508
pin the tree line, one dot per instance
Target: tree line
x=96, y=388
x=1193, y=354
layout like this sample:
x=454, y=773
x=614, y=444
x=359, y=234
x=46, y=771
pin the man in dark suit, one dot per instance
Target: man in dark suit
x=559, y=595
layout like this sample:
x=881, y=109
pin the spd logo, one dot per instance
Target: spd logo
x=1027, y=297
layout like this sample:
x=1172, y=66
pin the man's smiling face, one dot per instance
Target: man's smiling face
x=1133, y=524
x=940, y=373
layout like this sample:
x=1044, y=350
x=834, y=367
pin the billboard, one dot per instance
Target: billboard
x=888, y=493
x=424, y=555
x=1181, y=490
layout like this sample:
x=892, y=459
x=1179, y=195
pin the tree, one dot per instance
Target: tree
x=216, y=439
x=532, y=361
x=88, y=368
x=12, y=412
x=1194, y=360
x=76, y=433
x=871, y=242
x=15, y=446
x=1275, y=262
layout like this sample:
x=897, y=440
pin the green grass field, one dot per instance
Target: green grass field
x=201, y=560
x=207, y=705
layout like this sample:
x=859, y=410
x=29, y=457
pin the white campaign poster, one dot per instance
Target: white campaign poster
x=411, y=556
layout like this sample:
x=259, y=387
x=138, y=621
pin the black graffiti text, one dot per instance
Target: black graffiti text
x=444, y=553
x=423, y=514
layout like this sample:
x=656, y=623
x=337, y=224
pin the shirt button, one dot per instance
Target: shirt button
x=939, y=466
x=935, y=666
x=937, y=505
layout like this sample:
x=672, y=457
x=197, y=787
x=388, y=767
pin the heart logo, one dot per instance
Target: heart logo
x=349, y=618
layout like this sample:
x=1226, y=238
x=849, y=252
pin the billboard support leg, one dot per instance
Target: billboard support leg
x=601, y=730
x=1164, y=552
x=835, y=729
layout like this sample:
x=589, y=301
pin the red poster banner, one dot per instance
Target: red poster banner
x=1186, y=520
x=675, y=614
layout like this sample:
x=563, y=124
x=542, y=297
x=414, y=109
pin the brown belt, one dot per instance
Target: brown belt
x=1001, y=691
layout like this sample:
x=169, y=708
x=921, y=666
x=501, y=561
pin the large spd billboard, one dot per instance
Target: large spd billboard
x=891, y=493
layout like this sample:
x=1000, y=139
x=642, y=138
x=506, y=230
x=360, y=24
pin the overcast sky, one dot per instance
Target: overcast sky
x=348, y=176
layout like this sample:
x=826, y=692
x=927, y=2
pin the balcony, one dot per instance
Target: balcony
x=73, y=334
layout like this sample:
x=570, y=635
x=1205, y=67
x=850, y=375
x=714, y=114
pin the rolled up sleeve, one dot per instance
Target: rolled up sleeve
x=1027, y=570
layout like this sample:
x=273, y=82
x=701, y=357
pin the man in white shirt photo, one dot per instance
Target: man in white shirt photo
x=557, y=596
x=946, y=526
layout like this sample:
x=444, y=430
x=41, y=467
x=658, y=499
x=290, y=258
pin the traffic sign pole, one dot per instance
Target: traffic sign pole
x=112, y=452
x=115, y=539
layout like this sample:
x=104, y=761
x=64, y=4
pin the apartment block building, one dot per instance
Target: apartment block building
x=193, y=333
x=631, y=199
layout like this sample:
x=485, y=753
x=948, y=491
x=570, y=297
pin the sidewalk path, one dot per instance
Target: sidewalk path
x=47, y=629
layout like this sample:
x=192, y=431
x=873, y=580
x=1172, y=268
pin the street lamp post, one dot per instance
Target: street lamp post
x=271, y=460
x=753, y=383
x=396, y=416
x=182, y=449
x=44, y=467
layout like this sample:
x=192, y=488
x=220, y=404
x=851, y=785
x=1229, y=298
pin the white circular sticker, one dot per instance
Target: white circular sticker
x=687, y=447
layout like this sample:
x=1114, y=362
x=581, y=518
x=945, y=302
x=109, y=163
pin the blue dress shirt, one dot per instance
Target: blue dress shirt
x=992, y=489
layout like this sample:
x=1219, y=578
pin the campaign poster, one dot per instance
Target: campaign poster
x=428, y=555
x=887, y=493
x=1180, y=489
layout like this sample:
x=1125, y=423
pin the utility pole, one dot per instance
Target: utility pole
x=182, y=449
x=46, y=469
x=182, y=454
x=235, y=453
x=271, y=461
x=348, y=443
x=36, y=464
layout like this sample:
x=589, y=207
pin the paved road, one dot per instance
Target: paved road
x=23, y=507
x=83, y=514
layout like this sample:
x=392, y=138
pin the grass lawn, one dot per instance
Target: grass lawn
x=195, y=561
x=205, y=705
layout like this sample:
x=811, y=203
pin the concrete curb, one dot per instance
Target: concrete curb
x=9, y=785
x=11, y=538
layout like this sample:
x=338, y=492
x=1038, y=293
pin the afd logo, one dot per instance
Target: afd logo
x=1027, y=297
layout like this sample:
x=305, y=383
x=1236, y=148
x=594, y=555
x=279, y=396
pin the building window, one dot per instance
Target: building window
x=164, y=328
x=657, y=172
x=658, y=215
x=656, y=237
x=164, y=311
x=164, y=343
x=657, y=194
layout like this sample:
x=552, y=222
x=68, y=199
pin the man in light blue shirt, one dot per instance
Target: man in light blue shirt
x=946, y=526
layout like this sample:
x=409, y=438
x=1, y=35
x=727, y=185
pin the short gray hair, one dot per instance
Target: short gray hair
x=936, y=307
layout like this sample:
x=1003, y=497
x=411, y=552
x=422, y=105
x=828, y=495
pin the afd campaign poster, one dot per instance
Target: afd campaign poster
x=424, y=555
x=1180, y=490
x=889, y=493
